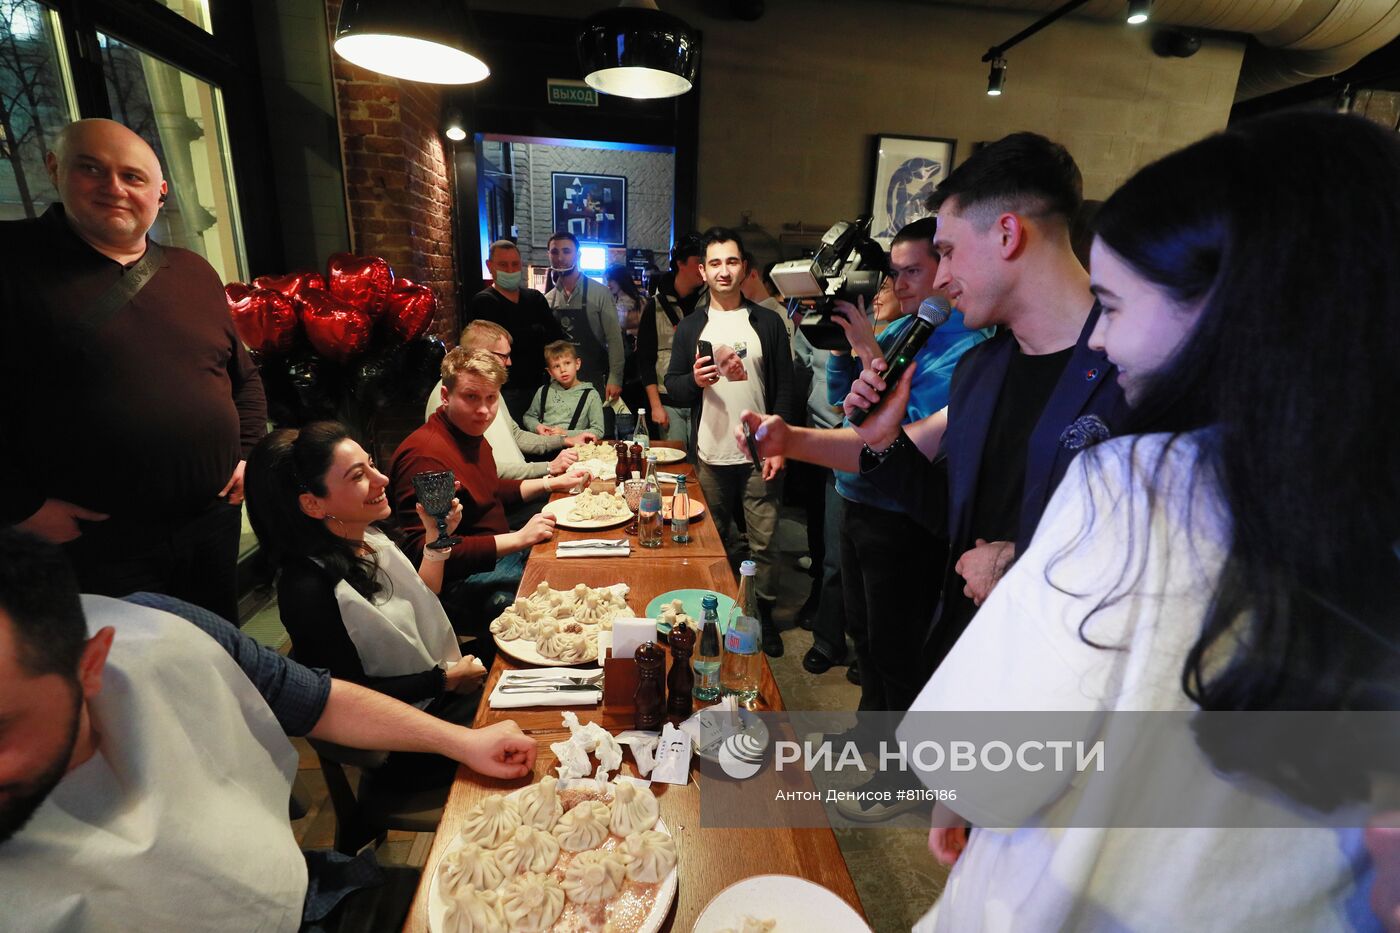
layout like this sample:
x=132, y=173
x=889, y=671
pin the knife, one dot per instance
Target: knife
x=545, y=688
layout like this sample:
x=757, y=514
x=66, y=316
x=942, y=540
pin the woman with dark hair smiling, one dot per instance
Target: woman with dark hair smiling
x=1238, y=555
x=348, y=596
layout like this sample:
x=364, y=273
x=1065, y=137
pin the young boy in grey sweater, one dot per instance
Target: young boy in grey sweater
x=564, y=405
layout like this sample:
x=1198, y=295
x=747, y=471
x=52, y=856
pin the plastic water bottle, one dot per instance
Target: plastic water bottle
x=743, y=660
x=680, y=513
x=649, y=511
x=706, y=660
x=641, y=436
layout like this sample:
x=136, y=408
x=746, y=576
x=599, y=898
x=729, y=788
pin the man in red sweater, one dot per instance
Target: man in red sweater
x=485, y=568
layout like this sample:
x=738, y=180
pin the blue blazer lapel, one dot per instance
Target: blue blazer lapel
x=971, y=411
x=1087, y=374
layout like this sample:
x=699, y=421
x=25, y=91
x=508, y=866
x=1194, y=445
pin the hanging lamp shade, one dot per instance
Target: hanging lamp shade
x=417, y=40
x=636, y=50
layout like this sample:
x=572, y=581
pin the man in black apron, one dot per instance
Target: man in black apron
x=588, y=316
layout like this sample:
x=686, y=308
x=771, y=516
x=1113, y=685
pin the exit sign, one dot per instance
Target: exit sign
x=572, y=93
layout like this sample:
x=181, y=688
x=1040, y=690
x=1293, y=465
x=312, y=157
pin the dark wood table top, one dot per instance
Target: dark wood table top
x=705, y=539
x=710, y=859
x=647, y=580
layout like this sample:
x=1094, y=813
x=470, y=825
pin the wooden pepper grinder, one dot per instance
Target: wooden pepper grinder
x=624, y=461
x=681, y=679
x=651, y=689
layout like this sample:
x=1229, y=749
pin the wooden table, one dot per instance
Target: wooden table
x=647, y=579
x=710, y=859
x=705, y=538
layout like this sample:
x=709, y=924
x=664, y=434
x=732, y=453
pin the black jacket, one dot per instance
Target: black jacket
x=778, y=396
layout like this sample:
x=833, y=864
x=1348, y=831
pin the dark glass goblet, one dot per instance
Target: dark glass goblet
x=434, y=491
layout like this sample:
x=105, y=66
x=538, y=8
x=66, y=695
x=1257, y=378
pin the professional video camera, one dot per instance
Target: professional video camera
x=849, y=265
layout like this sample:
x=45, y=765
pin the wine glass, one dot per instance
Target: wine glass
x=434, y=491
x=632, y=491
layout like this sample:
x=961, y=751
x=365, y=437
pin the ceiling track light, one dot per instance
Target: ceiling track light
x=1139, y=12
x=415, y=40
x=996, y=80
x=997, y=53
x=635, y=50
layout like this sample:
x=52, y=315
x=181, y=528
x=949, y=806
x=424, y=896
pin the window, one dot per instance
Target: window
x=36, y=101
x=196, y=11
x=182, y=118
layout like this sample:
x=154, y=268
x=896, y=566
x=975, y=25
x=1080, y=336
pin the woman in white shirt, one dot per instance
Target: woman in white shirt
x=349, y=598
x=1241, y=553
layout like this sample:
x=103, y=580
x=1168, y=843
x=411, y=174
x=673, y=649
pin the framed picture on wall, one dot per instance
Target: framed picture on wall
x=591, y=207
x=906, y=170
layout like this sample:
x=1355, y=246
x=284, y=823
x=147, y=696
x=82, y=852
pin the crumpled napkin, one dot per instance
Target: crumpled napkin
x=573, y=752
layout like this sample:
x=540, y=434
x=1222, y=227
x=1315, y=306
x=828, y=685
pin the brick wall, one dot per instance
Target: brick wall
x=398, y=181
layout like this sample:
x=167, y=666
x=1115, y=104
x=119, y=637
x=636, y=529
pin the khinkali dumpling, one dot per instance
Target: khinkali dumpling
x=633, y=810
x=532, y=902
x=529, y=849
x=539, y=804
x=474, y=912
x=491, y=822
x=583, y=827
x=594, y=877
x=508, y=626
x=650, y=856
x=471, y=866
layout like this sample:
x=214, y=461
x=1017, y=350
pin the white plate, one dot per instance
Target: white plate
x=667, y=454
x=559, y=508
x=796, y=903
x=665, y=894
x=598, y=469
x=524, y=651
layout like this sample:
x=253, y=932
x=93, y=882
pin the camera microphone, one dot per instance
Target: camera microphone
x=934, y=311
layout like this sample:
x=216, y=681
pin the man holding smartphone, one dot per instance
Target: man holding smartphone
x=727, y=356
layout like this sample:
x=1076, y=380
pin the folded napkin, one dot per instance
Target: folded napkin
x=594, y=547
x=667, y=477
x=545, y=696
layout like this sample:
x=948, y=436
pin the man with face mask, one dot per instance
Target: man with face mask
x=588, y=316
x=525, y=315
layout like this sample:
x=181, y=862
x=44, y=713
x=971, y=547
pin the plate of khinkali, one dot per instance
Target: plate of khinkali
x=557, y=854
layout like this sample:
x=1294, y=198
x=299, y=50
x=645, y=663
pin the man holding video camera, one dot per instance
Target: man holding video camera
x=729, y=355
x=882, y=547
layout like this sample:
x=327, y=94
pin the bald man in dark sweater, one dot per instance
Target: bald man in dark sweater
x=123, y=434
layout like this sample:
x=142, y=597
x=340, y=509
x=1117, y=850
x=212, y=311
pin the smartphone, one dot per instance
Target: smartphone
x=753, y=448
x=705, y=348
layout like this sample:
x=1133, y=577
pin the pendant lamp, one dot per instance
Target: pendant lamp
x=636, y=50
x=417, y=40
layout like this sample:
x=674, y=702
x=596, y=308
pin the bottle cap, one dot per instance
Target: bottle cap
x=641, y=411
x=748, y=569
x=709, y=601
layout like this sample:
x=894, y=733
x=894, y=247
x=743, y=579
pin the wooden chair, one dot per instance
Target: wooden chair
x=367, y=814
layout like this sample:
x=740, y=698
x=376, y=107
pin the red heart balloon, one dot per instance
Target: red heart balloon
x=410, y=310
x=293, y=283
x=363, y=282
x=265, y=320
x=336, y=330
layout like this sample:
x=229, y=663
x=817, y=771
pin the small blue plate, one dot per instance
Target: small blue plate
x=690, y=601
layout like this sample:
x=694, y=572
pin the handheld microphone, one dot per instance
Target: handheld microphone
x=934, y=311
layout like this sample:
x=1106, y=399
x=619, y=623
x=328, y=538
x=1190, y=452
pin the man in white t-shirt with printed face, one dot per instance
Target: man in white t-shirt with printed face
x=727, y=357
